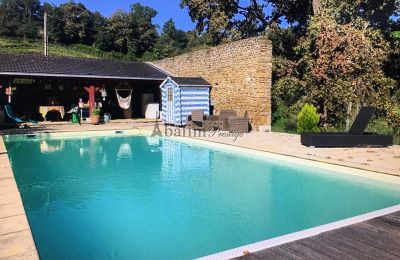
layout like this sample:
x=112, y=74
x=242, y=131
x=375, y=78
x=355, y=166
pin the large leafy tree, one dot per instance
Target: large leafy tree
x=344, y=67
x=171, y=41
x=143, y=33
x=377, y=14
x=55, y=23
x=118, y=27
x=232, y=19
x=21, y=18
x=133, y=32
x=78, y=23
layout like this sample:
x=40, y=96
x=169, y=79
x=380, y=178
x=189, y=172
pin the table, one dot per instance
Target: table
x=45, y=109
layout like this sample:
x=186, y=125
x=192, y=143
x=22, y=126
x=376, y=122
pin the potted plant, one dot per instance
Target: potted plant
x=95, y=117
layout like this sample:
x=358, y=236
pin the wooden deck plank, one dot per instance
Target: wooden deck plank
x=352, y=247
x=384, y=239
x=395, y=216
x=386, y=223
x=378, y=238
x=275, y=253
x=302, y=251
x=325, y=247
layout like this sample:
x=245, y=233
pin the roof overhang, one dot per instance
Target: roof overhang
x=22, y=74
x=185, y=85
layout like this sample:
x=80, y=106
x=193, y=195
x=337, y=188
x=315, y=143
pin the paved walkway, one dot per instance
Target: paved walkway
x=383, y=160
x=16, y=241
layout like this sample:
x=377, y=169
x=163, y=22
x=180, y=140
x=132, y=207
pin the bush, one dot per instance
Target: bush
x=308, y=119
x=284, y=119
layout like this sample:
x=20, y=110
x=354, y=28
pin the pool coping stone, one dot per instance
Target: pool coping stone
x=16, y=239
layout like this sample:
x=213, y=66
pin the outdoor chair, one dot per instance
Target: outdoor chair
x=238, y=124
x=228, y=120
x=197, y=120
x=222, y=119
x=356, y=137
x=17, y=120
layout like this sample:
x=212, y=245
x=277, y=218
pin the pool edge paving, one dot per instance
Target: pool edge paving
x=16, y=239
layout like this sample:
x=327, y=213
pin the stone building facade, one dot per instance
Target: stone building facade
x=240, y=74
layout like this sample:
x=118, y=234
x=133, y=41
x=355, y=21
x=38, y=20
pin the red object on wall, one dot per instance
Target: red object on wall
x=92, y=97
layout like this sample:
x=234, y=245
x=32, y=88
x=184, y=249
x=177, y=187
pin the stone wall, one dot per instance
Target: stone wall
x=240, y=73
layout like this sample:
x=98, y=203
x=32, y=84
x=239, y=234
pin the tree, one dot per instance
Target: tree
x=142, y=31
x=234, y=19
x=55, y=23
x=171, y=42
x=176, y=38
x=343, y=67
x=376, y=14
x=132, y=33
x=105, y=41
x=20, y=18
x=78, y=23
x=118, y=26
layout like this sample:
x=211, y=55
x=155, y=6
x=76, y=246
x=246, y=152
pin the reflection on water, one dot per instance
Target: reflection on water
x=55, y=146
x=115, y=198
x=125, y=151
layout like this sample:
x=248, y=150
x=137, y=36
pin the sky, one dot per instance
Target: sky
x=166, y=9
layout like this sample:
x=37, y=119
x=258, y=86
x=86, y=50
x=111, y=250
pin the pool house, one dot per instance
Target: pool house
x=47, y=87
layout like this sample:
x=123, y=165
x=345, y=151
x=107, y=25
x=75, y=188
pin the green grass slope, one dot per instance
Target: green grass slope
x=35, y=47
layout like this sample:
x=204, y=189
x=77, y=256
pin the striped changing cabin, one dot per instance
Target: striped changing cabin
x=180, y=96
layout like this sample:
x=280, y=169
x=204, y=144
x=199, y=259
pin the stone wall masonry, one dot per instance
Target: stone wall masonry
x=240, y=73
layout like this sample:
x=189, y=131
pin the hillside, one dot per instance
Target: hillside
x=80, y=51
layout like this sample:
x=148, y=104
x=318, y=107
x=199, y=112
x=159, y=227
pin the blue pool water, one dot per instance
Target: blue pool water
x=148, y=198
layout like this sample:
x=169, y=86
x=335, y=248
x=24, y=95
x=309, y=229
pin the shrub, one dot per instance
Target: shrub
x=308, y=119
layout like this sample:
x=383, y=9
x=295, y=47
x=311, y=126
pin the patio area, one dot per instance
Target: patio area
x=382, y=160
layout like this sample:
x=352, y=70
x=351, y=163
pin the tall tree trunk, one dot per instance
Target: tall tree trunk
x=348, y=115
x=316, y=4
x=325, y=114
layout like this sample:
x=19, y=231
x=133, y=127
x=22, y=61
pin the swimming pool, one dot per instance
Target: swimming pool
x=137, y=197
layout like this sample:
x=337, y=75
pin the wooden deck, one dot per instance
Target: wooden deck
x=378, y=238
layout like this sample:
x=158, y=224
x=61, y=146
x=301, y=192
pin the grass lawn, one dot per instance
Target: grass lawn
x=76, y=50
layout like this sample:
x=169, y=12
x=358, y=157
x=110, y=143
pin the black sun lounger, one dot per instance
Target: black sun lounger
x=354, y=138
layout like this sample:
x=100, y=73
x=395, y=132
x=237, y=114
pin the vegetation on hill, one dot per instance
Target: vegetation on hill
x=76, y=31
x=12, y=45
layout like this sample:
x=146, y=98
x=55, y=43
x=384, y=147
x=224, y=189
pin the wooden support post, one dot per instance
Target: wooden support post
x=92, y=97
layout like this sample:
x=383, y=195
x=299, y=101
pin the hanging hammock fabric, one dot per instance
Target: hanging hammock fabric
x=124, y=103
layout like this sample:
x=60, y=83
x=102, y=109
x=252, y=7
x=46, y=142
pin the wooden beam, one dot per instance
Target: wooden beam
x=92, y=97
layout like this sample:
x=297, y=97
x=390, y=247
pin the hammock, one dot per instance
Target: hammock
x=124, y=103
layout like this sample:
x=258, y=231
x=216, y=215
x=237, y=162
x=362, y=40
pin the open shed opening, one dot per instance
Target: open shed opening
x=46, y=88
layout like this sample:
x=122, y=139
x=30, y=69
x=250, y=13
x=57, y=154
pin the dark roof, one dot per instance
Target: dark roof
x=191, y=82
x=53, y=66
